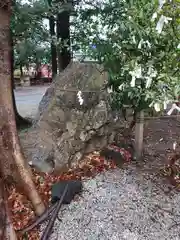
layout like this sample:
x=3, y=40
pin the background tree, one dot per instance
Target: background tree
x=140, y=61
x=137, y=42
x=63, y=11
x=28, y=26
x=63, y=37
x=52, y=24
x=27, y=32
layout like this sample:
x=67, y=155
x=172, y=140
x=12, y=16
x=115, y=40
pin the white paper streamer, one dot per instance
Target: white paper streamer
x=146, y=43
x=165, y=105
x=80, y=99
x=134, y=39
x=174, y=106
x=157, y=107
x=121, y=86
x=154, y=16
x=109, y=90
x=150, y=74
x=135, y=74
x=161, y=3
x=133, y=81
x=163, y=20
x=148, y=82
x=140, y=44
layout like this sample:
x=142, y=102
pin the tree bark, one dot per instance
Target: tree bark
x=2, y=212
x=6, y=228
x=12, y=60
x=63, y=34
x=53, y=46
x=20, y=121
x=12, y=162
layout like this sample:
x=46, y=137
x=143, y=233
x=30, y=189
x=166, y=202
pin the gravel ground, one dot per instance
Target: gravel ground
x=120, y=204
x=130, y=203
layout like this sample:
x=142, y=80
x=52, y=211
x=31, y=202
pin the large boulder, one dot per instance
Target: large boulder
x=66, y=129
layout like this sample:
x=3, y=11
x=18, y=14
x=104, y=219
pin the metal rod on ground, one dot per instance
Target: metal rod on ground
x=139, y=132
x=47, y=232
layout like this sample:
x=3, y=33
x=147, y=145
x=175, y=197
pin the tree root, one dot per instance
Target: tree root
x=6, y=227
x=39, y=220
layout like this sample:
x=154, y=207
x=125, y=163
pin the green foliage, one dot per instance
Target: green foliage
x=143, y=65
x=30, y=35
x=31, y=38
x=27, y=22
x=27, y=52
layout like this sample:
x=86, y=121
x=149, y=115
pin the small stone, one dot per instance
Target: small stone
x=74, y=187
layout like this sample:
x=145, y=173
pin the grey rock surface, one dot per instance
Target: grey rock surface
x=64, y=129
x=120, y=205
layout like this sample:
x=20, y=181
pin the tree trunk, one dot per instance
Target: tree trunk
x=12, y=163
x=63, y=33
x=2, y=212
x=6, y=228
x=20, y=121
x=12, y=60
x=53, y=46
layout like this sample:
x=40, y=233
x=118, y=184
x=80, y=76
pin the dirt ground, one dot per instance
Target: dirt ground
x=159, y=137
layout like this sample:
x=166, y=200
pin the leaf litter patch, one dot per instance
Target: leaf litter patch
x=94, y=163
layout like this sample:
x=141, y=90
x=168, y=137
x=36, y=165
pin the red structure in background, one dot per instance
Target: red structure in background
x=45, y=71
x=42, y=75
